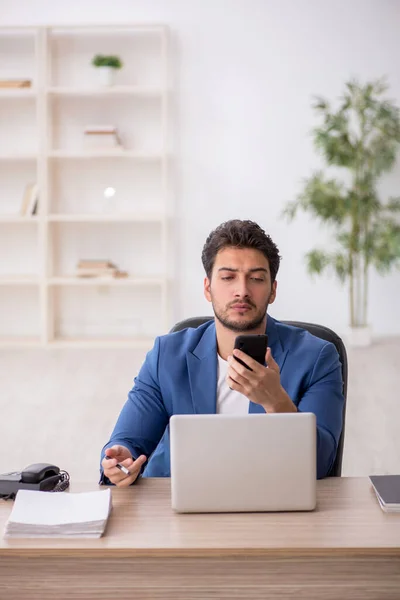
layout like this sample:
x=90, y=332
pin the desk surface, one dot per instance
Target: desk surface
x=348, y=520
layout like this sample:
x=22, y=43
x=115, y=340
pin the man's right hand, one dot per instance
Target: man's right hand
x=121, y=454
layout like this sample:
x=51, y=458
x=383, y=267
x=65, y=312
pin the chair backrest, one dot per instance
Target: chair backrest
x=319, y=331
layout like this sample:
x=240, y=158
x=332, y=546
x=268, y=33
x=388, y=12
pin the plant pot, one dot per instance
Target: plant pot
x=359, y=337
x=106, y=76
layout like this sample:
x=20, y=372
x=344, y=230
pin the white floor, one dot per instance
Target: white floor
x=59, y=406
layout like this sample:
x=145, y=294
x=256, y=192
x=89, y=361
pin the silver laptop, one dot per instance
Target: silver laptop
x=235, y=463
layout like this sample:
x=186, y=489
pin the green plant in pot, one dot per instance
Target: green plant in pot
x=360, y=138
x=107, y=66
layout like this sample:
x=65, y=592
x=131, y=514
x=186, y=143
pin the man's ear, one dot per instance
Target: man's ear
x=272, y=296
x=207, y=289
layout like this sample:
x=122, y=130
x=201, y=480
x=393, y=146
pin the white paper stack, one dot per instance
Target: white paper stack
x=63, y=514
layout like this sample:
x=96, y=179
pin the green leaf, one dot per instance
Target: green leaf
x=335, y=145
x=341, y=265
x=101, y=60
x=393, y=205
x=382, y=245
x=317, y=261
x=324, y=199
x=290, y=210
x=320, y=104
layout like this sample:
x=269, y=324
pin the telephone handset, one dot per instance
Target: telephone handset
x=39, y=472
x=39, y=476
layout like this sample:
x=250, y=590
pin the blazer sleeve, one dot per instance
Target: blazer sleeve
x=143, y=418
x=324, y=398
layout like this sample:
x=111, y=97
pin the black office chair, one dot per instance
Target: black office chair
x=319, y=331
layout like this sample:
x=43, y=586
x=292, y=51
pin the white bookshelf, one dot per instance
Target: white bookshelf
x=111, y=204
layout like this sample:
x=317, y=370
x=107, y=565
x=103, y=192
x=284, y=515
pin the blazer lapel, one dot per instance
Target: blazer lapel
x=202, y=369
x=278, y=353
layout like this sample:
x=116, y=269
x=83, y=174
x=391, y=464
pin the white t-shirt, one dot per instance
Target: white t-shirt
x=229, y=402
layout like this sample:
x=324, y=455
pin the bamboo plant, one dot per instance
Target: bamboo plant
x=360, y=138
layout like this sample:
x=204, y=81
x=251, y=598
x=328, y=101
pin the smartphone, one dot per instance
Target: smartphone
x=254, y=346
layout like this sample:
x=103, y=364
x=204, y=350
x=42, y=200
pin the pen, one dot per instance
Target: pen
x=120, y=467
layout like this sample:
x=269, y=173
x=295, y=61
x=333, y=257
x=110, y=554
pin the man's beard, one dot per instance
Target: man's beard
x=241, y=326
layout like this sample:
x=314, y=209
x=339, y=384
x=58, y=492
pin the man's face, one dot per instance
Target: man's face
x=240, y=288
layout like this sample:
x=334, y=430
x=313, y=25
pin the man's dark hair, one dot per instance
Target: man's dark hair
x=240, y=234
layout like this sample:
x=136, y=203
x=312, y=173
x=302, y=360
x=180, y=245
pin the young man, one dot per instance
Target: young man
x=194, y=371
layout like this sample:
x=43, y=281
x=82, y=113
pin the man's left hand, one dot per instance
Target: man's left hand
x=261, y=385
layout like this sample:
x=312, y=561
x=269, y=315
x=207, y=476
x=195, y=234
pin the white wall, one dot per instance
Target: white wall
x=245, y=72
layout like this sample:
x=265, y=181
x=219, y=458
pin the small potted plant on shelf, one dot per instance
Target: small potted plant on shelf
x=107, y=66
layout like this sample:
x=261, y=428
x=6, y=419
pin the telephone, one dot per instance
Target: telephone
x=39, y=476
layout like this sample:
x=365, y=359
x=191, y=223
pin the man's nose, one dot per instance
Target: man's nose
x=241, y=290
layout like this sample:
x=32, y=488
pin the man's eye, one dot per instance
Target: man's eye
x=258, y=279
x=227, y=278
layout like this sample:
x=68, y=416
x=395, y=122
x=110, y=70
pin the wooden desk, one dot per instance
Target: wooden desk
x=347, y=548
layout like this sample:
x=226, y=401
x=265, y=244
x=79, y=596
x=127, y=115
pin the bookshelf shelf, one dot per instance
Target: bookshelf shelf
x=96, y=92
x=106, y=218
x=19, y=342
x=19, y=93
x=123, y=30
x=16, y=220
x=18, y=157
x=63, y=154
x=69, y=280
x=132, y=343
x=95, y=202
x=19, y=280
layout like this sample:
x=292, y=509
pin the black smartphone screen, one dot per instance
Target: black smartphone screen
x=253, y=345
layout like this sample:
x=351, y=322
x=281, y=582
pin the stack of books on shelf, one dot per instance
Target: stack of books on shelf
x=98, y=268
x=15, y=83
x=30, y=200
x=102, y=137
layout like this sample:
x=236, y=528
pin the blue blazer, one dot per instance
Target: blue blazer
x=179, y=376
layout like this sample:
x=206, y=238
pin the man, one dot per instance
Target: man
x=194, y=371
